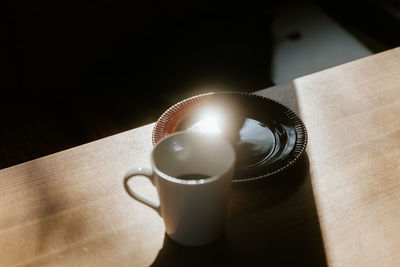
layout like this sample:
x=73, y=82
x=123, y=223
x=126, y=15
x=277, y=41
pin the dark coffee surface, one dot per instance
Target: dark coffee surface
x=193, y=176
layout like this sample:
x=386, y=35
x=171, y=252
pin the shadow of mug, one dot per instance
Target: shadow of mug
x=273, y=222
x=174, y=254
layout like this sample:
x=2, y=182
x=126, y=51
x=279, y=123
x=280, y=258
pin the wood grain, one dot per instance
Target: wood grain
x=352, y=114
x=339, y=205
x=69, y=209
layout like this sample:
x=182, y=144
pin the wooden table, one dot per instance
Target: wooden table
x=339, y=205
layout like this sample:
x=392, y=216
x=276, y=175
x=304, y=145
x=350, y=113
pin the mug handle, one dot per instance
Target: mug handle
x=140, y=171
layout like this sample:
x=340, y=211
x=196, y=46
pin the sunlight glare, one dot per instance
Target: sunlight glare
x=210, y=121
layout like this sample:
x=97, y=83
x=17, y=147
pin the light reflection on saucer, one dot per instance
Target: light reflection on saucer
x=209, y=122
x=209, y=125
x=267, y=136
x=256, y=143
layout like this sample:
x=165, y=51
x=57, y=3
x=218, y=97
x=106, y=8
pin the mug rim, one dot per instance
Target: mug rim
x=198, y=181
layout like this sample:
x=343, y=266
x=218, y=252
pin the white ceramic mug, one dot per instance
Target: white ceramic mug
x=194, y=211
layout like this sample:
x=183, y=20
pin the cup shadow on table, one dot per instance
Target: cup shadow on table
x=270, y=223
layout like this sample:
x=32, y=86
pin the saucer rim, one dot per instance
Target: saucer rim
x=301, y=132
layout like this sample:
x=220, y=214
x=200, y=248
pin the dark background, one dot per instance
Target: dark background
x=76, y=71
